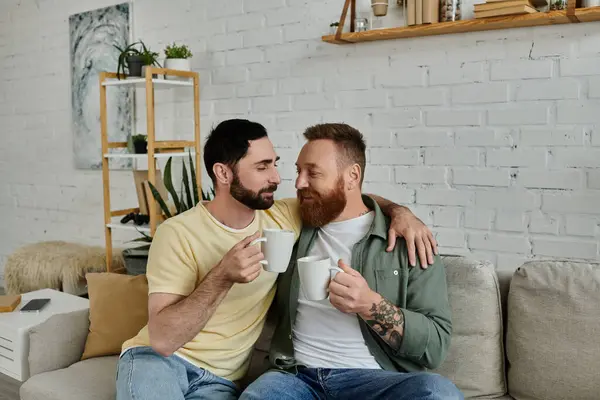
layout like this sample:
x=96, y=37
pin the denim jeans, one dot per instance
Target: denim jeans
x=144, y=374
x=354, y=384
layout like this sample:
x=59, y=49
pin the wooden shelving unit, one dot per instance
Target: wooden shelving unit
x=568, y=16
x=156, y=149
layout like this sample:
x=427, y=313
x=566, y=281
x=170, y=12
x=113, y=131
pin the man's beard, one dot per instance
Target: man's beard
x=321, y=209
x=251, y=199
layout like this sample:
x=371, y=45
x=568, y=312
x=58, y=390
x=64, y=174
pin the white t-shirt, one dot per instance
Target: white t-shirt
x=323, y=336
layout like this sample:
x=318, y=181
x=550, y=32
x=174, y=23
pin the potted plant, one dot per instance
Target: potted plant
x=177, y=57
x=136, y=258
x=135, y=59
x=380, y=7
x=140, y=144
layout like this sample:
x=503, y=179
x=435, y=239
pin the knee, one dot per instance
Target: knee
x=437, y=387
x=266, y=385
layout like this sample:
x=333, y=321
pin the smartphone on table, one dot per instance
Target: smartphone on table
x=35, y=305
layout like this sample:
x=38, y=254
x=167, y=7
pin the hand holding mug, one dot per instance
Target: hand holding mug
x=241, y=264
x=349, y=292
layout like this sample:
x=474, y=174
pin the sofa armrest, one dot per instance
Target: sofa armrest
x=58, y=342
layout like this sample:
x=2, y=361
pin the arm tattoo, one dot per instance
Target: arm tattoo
x=388, y=321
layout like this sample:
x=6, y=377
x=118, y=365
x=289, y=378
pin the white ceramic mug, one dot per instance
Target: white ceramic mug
x=277, y=246
x=315, y=273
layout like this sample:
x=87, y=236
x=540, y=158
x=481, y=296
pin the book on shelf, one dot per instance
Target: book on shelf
x=511, y=10
x=534, y=3
x=502, y=4
x=421, y=12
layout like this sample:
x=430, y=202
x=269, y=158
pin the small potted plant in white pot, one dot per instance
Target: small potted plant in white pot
x=177, y=57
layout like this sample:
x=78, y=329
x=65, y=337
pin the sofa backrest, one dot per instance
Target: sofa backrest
x=475, y=361
x=552, y=340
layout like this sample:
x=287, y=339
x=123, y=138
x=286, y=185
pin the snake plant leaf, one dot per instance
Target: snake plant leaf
x=186, y=183
x=160, y=200
x=194, y=183
x=169, y=185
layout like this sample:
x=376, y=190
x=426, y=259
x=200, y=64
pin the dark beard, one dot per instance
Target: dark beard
x=249, y=198
x=323, y=208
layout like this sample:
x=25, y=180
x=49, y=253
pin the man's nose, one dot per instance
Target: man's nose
x=301, y=182
x=275, y=178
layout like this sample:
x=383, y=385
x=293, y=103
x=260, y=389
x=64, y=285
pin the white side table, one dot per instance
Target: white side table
x=14, y=328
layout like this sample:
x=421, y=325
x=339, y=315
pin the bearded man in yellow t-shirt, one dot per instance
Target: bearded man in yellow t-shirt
x=208, y=295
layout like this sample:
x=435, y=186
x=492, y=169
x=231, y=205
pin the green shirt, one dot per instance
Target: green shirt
x=420, y=293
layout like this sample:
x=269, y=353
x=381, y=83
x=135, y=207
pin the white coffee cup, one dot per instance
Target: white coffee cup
x=277, y=246
x=315, y=274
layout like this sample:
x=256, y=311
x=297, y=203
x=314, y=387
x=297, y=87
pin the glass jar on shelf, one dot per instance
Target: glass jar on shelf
x=556, y=5
x=450, y=10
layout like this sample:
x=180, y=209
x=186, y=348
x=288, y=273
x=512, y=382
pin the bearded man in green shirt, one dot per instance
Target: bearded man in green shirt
x=384, y=322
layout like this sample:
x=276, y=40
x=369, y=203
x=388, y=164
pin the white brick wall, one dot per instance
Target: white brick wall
x=492, y=138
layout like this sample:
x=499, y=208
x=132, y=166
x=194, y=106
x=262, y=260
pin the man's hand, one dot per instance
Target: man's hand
x=350, y=293
x=405, y=224
x=241, y=264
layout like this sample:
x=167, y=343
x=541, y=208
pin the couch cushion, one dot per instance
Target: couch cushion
x=92, y=379
x=552, y=335
x=118, y=310
x=475, y=361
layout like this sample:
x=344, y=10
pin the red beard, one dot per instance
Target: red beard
x=318, y=209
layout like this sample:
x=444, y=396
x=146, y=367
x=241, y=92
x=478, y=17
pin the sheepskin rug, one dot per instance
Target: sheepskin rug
x=56, y=265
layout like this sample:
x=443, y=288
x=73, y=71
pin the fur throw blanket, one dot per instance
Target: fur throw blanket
x=55, y=265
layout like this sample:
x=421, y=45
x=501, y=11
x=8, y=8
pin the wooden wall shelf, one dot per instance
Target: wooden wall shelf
x=472, y=25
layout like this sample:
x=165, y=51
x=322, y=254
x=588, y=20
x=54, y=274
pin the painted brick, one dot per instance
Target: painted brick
x=571, y=203
x=573, y=112
x=263, y=37
x=452, y=118
x=581, y=225
x=378, y=174
x=229, y=75
x=449, y=217
x=451, y=156
x=453, y=74
x=496, y=92
x=271, y=104
x=511, y=221
x=508, y=199
x=420, y=175
x=269, y=71
x=569, y=158
x=449, y=238
x=419, y=97
x=410, y=76
x=552, y=137
x=363, y=99
x=418, y=137
x=547, y=89
x=481, y=177
x=521, y=69
x=259, y=5
x=445, y=197
x=213, y=92
x=543, y=223
x=548, y=179
x=316, y=101
x=394, y=157
x=482, y=137
x=478, y=218
x=286, y=16
x=522, y=115
x=516, y=158
x=499, y=242
x=594, y=87
x=245, y=22
x=232, y=106
x=579, y=66
x=257, y=89
x=300, y=85
x=593, y=179
x=390, y=191
x=230, y=41
x=244, y=56
x=575, y=248
x=343, y=82
x=396, y=119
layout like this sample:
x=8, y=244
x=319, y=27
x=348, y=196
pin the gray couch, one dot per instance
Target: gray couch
x=536, y=341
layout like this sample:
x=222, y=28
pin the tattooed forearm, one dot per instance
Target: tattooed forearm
x=388, y=321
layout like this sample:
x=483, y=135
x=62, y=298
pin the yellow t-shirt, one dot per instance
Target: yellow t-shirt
x=183, y=251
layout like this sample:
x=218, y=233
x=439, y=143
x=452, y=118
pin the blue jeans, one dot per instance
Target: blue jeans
x=357, y=384
x=144, y=374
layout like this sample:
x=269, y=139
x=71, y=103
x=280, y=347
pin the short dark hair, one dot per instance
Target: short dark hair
x=228, y=143
x=349, y=140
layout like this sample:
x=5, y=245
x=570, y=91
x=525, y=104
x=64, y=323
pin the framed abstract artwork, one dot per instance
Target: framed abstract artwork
x=93, y=36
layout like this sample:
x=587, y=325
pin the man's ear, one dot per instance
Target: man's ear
x=223, y=173
x=354, y=176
